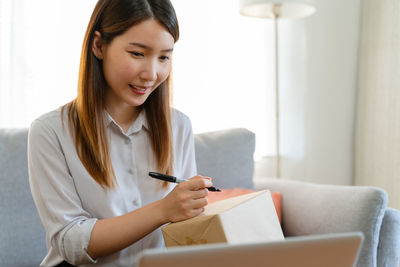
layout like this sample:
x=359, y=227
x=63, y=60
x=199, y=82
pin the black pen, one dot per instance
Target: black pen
x=173, y=179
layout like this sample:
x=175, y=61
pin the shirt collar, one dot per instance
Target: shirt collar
x=141, y=121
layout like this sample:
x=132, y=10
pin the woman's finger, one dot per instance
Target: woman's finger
x=201, y=193
x=197, y=183
x=200, y=177
x=199, y=203
x=196, y=212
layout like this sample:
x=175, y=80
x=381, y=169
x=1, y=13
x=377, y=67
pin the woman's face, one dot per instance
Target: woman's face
x=135, y=63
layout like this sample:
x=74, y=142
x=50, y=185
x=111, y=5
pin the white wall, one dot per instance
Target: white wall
x=40, y=49
x=223, y=69
x=378, y=118
x=318, y=78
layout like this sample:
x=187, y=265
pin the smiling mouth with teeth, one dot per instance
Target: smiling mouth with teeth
x=139, y=90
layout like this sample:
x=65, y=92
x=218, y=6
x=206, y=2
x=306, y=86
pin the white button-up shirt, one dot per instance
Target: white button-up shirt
x=70, y=201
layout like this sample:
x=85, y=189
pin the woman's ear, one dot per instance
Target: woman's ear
x=97, y=46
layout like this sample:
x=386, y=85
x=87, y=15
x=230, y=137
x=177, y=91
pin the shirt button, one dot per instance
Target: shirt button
x=127, y=141
x=130, y=171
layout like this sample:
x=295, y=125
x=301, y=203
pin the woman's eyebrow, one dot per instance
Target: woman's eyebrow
x=149, y=48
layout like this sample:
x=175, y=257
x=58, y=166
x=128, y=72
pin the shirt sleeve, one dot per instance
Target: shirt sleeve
x=68, y=226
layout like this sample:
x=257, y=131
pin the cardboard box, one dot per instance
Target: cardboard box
x=244, y=219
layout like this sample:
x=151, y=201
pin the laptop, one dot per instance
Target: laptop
x=329, y=250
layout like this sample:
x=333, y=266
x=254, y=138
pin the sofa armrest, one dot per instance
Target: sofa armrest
x=389, y=242
x=309, y=208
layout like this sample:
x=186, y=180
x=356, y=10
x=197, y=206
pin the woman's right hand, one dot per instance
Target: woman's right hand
x=186, y=200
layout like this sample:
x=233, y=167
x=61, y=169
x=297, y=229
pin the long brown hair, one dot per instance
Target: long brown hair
x=86, y=112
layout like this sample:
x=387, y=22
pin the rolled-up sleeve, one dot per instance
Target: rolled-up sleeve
x=68, y=226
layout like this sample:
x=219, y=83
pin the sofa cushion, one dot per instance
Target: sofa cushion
x=227, y=157
x=22, y=236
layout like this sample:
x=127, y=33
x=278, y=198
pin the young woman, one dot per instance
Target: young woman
x=89, y=160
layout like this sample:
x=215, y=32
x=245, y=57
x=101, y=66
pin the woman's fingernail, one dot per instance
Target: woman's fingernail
x=207, y=183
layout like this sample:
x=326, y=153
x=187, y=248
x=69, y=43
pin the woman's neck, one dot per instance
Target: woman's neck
x=124, y=115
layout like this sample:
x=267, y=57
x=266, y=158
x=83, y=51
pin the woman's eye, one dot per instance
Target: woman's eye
x=164, y=58
x=136, y=54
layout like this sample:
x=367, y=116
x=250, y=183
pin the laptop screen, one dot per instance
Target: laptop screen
x=329, y=250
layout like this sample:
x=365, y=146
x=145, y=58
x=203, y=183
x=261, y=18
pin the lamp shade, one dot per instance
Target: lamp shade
x=283, y=9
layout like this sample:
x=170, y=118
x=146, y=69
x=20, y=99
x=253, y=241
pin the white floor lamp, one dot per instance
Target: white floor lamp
x=277, y=9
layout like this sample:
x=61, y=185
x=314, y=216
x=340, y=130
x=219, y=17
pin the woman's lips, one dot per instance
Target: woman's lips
x=140, y=90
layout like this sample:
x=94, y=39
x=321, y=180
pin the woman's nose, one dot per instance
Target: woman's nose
x=149, y=71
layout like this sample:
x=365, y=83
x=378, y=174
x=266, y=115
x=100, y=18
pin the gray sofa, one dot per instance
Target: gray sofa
x=227, y=156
